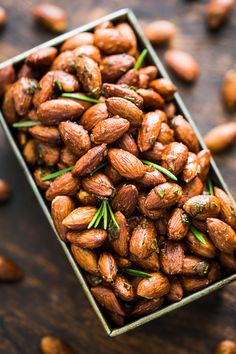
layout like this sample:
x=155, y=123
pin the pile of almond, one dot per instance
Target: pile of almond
x=127, y=181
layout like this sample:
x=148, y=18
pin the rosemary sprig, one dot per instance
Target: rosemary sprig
x=112, y=215
x=27, y=124
x=80, y=97
x=135, y=273
x=102, y=213
x=161, y=169
x=210, y=186
x=56, y=174
x=99, y=167
x=140, y=59
x=197, y=234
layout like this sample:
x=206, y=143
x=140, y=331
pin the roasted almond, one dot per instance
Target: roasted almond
x=228, y=261
x=176, y=291
x=78, y=40
x=111, y=41
x=150, y=71
x=50, y=16
x=193, y=283
x=193, y=265
x=109, y=130
x=225, y=346
x=119, y=237
x=127, y=143
x=130, y=78
x=65, y=184
x=114, y=66
x=39, y=173
x=164, y=87
x=7, y=77
x=107, y=267
x=150, y=263
x=89, y=51
x=113, y=175
x=151, y=98
x=149, y=130
x=49, y=135
x=160, y=32
x=123, y=288
x=214, y=272
x=229, y=89
x=217, y=12
x=79, y=218
x=125, y=163
x=89, y=75
x=182, y=64
x=185, y=133
x=5, y=191
x=8, y=106
x=171, y=258
x=151, y=214
x=61, y=207
x=98, y=184
x=228, y=208
x=163, y=196
x=125, y=109
x=86, y=198
x=178, y=225
x=202, y=207
x=41, y=57
x=87, y=259
x=155, y=153
x=64, y=82
x=154, y=287
x=125, y=199
x=112, y=90
x=44, y=90
x=151, y=178
x=23, y=91
x=166, y=135
x=221, y=137
x=143, y=239
x=54, y=345
x=89, y=161
x=75, y=137
x=126, y=31
x=55, y=111
x=206, y=249
x=9, y=271
x=93, y=115
x=30, y=152
x=204, y=159
x=190, y=169
x=65, y=61
x=49, y=154
x=107, y=299
x=145, y=307
x=222, y=235
x=174, y=157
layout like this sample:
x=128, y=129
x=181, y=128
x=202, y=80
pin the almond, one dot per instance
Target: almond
x=119, y=237
x=45, y=89
x=149, y=131
x=113, y=175
x=78, y=40
x=94, y=115
x=30, y=152
x=48, y=154
x=61, y=207
x=3, y=17
x=171, y=258
x=160, y=32
x=65, y=184
x=107, y=299
x=166, y=135
x=178, y=225
x=174, y=157
x=89, y=51
x=154, y=287
x=23, y=90
x=8, y=106
x=150, y=71
x=190, y=169
x=221, y=137
x=111, y=41
x=7, y=77
x=41, y=57
x=206, y=250
x=163, y=196
x=107, y=267
x=151, y=98
x=109, y=130
x=127, y=143
x=86, y=259
x=214, y=272
x=145, y=307
x=222, y=235
x=49, y=135
x=9, y=271
x=126, y=31
x=67, y=157
x=98, y=184
x=202, y=207
x=79, y=218
x=75, y=137
x=5, y=191
x=89, y=161
x=229, y=89
x=125, y=199
x=217, y=12
x=176, y=291
x=192, y=284
x=50, y=16
x=228, y=208
x=204, y=160
x=143, y=240
x=164, y=87
x=125, y=109
x=151, y=214
x=114, y=66
x=89, y=75
x=193, y=265
x=66, y=82
x=185, y=133
x=112, y=90
x=55, y=111
x=155, y=153
x=130, y=78
x=54, y=345
x=65, y=61
x=86, y=198
x=123, y=288
x=150, y=263
x=228, y=261
x=125, y=163
x=182, y=64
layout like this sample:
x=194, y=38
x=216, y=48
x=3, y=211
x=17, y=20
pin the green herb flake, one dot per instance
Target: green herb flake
x=128, y=98
x=161, y=193
x=57, y=85
x=185, y=219
x=232, y=210
x=33, y=86
x=152, y=140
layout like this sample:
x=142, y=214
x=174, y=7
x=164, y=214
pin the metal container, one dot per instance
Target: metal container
x=121, y=15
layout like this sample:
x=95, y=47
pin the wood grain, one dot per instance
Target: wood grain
x=49, y=300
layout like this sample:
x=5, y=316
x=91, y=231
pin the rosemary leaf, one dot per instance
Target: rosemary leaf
x=27, y=124
x=140, y=59
x=105, y=214
x=98, y=168
x=94, y=219
x=197, y=234
x=80, y=97
x=135, y=273
x=112, y=215
x=210, y=186
x=56, y=174
x=161, y=169
x=100, y=215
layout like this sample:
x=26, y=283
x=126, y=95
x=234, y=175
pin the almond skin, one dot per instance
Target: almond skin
x=61, y=207
x=164, y=87
x=119, y=238
x=228, y=208
x=79, y=218
x=145, y=307
x=107, y=267
x=55, y=111
x=163, y=196
x=49, y=135
x=7, y=77
x=160, y=32
x=190, y=169
x=90, y=78
x=125, y=163
x=111, y=90
x=98, y=184
x=229, y=89
x=50, y=16
x=125, y=109
x=9, y=271
x=206, y=250
x=154, y=287
x=202, y=207
x=204, y=159
x=221, y=137
x=185, y=133
x=143, y=240
x=41, y=57
x=65, y=184
x=182, y=64
x=107, y=299
x=109, y=130
x=174, y=157
x=149, y=131
x=125, y=199
x=171, y=258
x=111, y=41
x=123, y=288
x=127, y=143
x=75, y=137
x=94, y=115
x=78, y=40
x=87, y=259
x=178, y=225
x=114, y=66
x=222, y=235
x=54, y=345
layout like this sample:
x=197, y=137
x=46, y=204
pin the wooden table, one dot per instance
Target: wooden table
x=50, y=300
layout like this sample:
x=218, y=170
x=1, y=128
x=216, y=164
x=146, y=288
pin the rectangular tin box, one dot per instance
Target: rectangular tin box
x=121, y=15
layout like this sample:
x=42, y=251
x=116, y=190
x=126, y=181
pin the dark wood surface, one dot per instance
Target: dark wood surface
x=49, y=299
